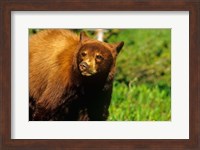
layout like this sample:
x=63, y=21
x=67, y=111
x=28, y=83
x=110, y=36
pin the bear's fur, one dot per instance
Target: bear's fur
x=70, y=76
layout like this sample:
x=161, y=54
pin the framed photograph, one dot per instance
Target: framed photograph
x=100, y=75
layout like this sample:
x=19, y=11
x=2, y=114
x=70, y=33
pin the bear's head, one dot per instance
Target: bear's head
x=96, y=57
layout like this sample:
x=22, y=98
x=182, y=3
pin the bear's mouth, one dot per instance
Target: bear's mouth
x=84, y=73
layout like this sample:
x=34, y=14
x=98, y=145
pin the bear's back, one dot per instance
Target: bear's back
x=45, y=48
x=49, y=42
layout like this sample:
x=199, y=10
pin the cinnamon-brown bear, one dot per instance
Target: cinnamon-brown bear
x=70, y=76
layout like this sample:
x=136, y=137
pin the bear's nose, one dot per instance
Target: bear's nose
x=84, y=66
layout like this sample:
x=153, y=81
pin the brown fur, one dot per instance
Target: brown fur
x=58, y=91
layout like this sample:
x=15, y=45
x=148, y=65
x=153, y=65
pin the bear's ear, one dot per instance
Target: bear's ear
x=118, y=46
x=83, y=36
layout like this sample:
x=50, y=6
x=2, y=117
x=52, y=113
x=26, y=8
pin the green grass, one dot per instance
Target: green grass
x=139, y=103
x=142, y=87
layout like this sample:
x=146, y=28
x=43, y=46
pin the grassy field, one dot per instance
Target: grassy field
x=142, y=86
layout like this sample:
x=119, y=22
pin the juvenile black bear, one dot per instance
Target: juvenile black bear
x=70, y=76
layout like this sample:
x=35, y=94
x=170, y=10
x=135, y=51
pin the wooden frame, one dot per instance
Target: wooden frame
x=6, y=6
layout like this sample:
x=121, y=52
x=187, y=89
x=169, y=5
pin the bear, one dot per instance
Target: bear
x=70, y=76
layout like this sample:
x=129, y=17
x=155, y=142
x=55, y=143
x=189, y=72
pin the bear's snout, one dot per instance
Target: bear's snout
x=87, y=69
x=83, y=66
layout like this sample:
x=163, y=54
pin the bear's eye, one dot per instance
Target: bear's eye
x=83, y=54
x=99, y=58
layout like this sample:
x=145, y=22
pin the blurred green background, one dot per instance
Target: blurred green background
x=142, y=85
